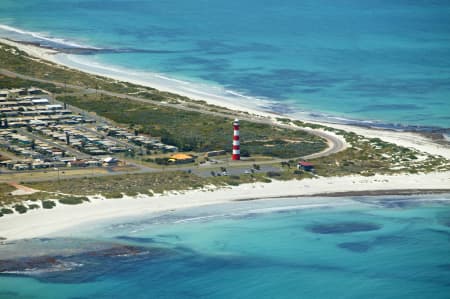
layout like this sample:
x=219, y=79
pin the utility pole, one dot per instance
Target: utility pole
x=57, y=169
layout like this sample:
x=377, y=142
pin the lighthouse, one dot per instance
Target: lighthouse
x=236, y=145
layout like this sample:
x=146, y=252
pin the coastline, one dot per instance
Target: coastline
x=401, y=138
x=64, y=217
x=153, y=80
x=51, y=221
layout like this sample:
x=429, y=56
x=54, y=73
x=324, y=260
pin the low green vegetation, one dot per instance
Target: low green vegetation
x=33, y=206
x=48, y=204
x=188, y=130
x=194, y=131
x=9, y=82
x=20, y=208
x=5, y=211
x=370, y=156
x=5, y=193
x=18, y=61
x=73, y=200
x=114, y=186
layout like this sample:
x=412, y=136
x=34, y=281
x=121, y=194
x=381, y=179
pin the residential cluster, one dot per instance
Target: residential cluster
x=22, y=107
x=151, y=143
x=40, y=132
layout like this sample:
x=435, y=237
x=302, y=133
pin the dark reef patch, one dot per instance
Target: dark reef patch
x=445, y=267
x=390, y=202
x=136, y=239
x=26, y=263
x=215, y=47
x=82, y=267
x=169, y=236
x=343, y=227
x=9, y=295
x=440, y=231
x=363, y=246
x=387, y=240
x=443, y=218
x=355, y=246
x=390, y=107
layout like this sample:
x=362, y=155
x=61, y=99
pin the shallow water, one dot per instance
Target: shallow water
x=359, y=248
x=368, y=60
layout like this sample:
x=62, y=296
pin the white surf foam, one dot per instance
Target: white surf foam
x=39, y=36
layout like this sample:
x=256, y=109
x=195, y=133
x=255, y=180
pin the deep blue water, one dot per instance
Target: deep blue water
x=395, y=247
x=369, y=60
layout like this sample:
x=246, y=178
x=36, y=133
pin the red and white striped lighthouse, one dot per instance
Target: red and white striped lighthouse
x=236, y=145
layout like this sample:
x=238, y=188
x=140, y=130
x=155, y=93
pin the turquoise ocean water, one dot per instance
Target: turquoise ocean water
x=386, y=61
x=396, y=247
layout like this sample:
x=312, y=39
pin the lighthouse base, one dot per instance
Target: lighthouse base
x=235, y=157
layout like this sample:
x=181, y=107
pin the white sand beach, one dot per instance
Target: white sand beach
x=41, y=222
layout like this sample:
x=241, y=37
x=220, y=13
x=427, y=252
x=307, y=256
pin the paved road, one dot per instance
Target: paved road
x=334, y=144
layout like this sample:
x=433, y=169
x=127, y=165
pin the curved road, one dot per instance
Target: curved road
x=334, y=144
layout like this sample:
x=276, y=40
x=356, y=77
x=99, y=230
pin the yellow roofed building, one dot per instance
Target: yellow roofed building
x=181, y=158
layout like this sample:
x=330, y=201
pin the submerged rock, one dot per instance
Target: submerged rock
x=343, y=227
x=88, y=262
x=27, y=263
x=136, y=239
x=355, y=246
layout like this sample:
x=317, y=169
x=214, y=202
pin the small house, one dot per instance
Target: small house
x=181, y=158
x=306, y=166
x=111, y=161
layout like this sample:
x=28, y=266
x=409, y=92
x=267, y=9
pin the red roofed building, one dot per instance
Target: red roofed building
x=306, y=166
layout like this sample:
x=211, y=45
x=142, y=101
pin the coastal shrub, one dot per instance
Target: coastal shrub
x=233, y=183
x=132, y=193
x=113, y=195
x=162, y=161
x=73, y=200
x=20, y=208
x=33, y=206
x=48, y=204
x=6, y=211
x=272, y=174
